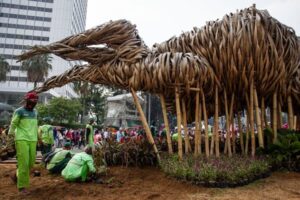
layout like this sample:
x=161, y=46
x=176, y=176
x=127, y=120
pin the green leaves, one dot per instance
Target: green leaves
x=60, y=110
x=37, y=68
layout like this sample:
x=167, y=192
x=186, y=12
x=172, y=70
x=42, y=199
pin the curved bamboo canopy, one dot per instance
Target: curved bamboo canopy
x=247, y=49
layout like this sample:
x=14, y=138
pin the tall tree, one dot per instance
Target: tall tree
x=4, y=68
x=93, y=99
x=61, y=110
x=82, y=89
x=37, y=68
x=97, y=102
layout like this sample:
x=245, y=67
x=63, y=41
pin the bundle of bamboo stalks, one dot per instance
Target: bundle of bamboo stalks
x=248, y=61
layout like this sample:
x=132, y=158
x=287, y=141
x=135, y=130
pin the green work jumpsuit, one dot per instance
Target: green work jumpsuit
x=24, y=127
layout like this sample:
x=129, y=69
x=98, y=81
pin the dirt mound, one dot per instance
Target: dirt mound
x=146, y=183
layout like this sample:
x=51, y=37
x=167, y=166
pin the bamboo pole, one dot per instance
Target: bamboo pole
x=263, y=114
x=233, y=135
x=205, y=124
x=212, y=144
x=216, y=123
x=166, y=122
x=258, y=121
x=279, y=115
x=252, y=120
x=274, y=115
x=247, y=133
x=200, y=128
x=232, y=124
x=196, y=133
x=290, y=112
x=178, y=112
x=227, y=144
x=144, y=122
x=186, y=136
x=295, y=122
x=241, y=133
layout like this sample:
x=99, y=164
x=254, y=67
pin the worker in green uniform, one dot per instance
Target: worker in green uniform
x=24, y=127
x=61, y=158
x=90, y=132
x=46, y=136
x=80, y=166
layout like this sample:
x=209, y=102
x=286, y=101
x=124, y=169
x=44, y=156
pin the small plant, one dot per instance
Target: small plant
x=285, y=152
x=129, y=153
x=216, y=172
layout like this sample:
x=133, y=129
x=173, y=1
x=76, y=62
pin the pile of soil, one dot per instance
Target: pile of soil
x=146, y=183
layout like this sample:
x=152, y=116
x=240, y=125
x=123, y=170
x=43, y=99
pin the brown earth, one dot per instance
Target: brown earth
x=146, y=183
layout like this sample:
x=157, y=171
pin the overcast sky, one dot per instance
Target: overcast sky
x=158, y=20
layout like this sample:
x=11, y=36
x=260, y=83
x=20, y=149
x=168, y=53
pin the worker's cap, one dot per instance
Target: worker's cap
x=91, y=119
x=67, y=144
x=31, y=96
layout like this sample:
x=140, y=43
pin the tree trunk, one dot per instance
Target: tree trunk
x=258, y=121
x=166, y=122
x=216, y=123
x=144, y=122
x=206, y=125
x=178, y=112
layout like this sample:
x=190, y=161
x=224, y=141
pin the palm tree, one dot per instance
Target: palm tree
x=37, y=68
x=4, y=68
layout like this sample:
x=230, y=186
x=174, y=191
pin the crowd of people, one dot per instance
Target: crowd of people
x=56, y=143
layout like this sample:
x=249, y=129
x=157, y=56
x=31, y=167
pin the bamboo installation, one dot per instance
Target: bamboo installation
x=166, y=122
x=243, y=59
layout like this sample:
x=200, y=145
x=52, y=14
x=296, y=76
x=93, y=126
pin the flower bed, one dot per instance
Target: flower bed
x=213, y=172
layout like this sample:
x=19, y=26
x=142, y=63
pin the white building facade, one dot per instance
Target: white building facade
x=25, y=23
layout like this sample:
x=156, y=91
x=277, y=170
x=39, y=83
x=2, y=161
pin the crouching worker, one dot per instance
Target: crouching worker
x=80, y=166
x=60, y=160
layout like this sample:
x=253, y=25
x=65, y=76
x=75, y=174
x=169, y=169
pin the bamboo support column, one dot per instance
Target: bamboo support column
x=205, y=124
x=166, y=122
x=144, y=122
x=212, y=144
x=295, y=122
x=274, y=115
x=186, y=134
x=216, y=123
x=231, y=122
x=197, y=129
x=264, y=122
x=178, y=112
x=227, y=144
x=279, y=115
x=290, y=112
x=252, y=120
x=233, y=134
x=258, y=121
x=247, y=133
x=200, y=128
x=241, y=132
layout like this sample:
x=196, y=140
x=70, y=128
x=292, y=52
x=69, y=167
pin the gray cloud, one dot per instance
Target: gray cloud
x=158, y=20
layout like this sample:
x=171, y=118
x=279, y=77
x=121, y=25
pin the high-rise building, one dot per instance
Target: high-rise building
x=25, y=23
